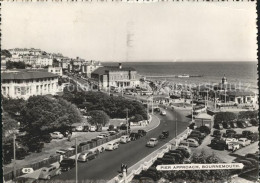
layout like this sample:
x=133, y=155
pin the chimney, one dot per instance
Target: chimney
x=120, y=66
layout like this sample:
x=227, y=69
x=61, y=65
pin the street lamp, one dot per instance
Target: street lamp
x=14, y=148
x=127, y=120
x=76, y=159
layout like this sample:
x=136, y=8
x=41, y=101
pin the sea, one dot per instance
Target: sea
x=243, y=73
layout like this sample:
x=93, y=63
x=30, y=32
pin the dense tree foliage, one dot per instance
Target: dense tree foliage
x=136, y=118
x=16, y=65
x=114, y=106
x=8, y=126
x=43, y=113
x=199, y=175
x=6, y=53
x=224, y=117
x=248, y=114
x=98, y=117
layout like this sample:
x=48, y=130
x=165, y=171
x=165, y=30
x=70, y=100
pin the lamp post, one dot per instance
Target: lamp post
x=76, y=159
x=14, y=153
x=127, y=120
x=191, y=107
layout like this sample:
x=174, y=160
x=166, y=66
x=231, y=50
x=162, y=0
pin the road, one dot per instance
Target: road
x=107, y=164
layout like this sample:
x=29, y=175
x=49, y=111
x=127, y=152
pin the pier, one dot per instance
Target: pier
x=172, y=76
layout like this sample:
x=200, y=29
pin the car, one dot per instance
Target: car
x=152, y=142
x=142, y=132
x=185, y=148
x=226, y=125
x=125, y=139
x=254, y=122
x=56, y=135
x=25, y=180
x=62, y=151
x=241, y=124
x=246, y=133
x=84, y=143
x=191, y=142
x=218, y=126
x=180, y=152
x=216, y=133
x=124, y=127
x=197, y=132
x=105, y=134
x=134, y=136
x=85, y=128
x=177, y=157
x=149, y=175
x=100, y=136
x=244, y=142
x=228, y=140
x=237, y=136
x=163, y=113
x=195, y=137
x=248, y=124
x=111, y=128
x=204, y=130
x=48, y=172
x=92, y=128
x=253, y=161
x=233, y=146
x=253, y=137
x=233, y=124
x=67, y=164
x=112, y=133
x=253, y=156
x=112, y=146
x=86, y=156
x=231, y=131
x=185, y=152
x=164, y=135
x=79, y=128
x=218, y=144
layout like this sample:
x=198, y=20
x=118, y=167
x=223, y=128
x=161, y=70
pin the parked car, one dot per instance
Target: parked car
x=228, y=140
x=48, y=172
x=233, y=146
x=100, y=136
x=233, y=124
x=164, y=135
x=112, y=128
x=231, y=131
x=253, y=161
x=85, y=128
x=226, y=125
x=204, y=130
x=246, y=133
x=177, y=157
x=86, y=156
x=134, y=136
x=248, y=124
x=191, y=142
x=152, y=142
x=253, y=156
x=125, y=139
x=253, y=137
x=237, y=136
x=112, y=133
x=67, y=164
x=216, y=133
x=254, y=122
x=244, y=142
x=185, y=152
x=92, y=128
x=79, y=128
x=112, y=146
x=99, y=128
x=142, y=132
x=163, y=113
x=84, y=143
x=180, y=152
x=241, y=124
x=218, y=144
x=218, y=126
x=62, y=151
x=56, y=135
x=196, y=137
x=25, y=180
x=124, y=127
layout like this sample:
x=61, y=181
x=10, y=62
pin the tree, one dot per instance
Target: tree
x=9, y=125
x=224, y=117
x=42, y=113
x=98, y=117
x=55, y=63
x=137, y=118
x=15, y=65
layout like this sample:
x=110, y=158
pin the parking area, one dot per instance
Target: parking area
x=228, y=156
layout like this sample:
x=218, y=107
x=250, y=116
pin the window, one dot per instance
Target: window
x=37, y=89
x=4, y=90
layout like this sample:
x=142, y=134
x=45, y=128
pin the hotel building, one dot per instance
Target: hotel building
x=122, y=77
x=26, y=83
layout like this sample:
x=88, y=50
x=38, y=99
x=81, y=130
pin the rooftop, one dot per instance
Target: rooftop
x=26, y=74
x=106, y=69
x=240, y=93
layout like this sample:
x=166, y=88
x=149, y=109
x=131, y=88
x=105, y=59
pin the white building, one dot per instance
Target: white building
x=55, y=70
x=19, y=51
x=26, y=83
x=90, y=67
x=44, y=60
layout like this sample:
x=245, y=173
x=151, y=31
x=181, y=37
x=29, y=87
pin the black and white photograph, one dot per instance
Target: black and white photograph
x=131, y=91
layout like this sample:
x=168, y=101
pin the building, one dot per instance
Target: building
x=239, y=97
x=44, y=60
x=19, y=51
x=122, y=77
x=204, y=119
x=3, y=62
x=90, y=67
x=55, y=70
x=26, y=83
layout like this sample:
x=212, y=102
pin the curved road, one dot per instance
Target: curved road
x=107, y=164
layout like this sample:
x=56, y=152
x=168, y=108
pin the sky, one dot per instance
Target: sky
x=116, y=31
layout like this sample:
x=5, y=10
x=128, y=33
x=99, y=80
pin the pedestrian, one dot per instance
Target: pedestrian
x=122, y=167
x=125, y=167
x=69, y=137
